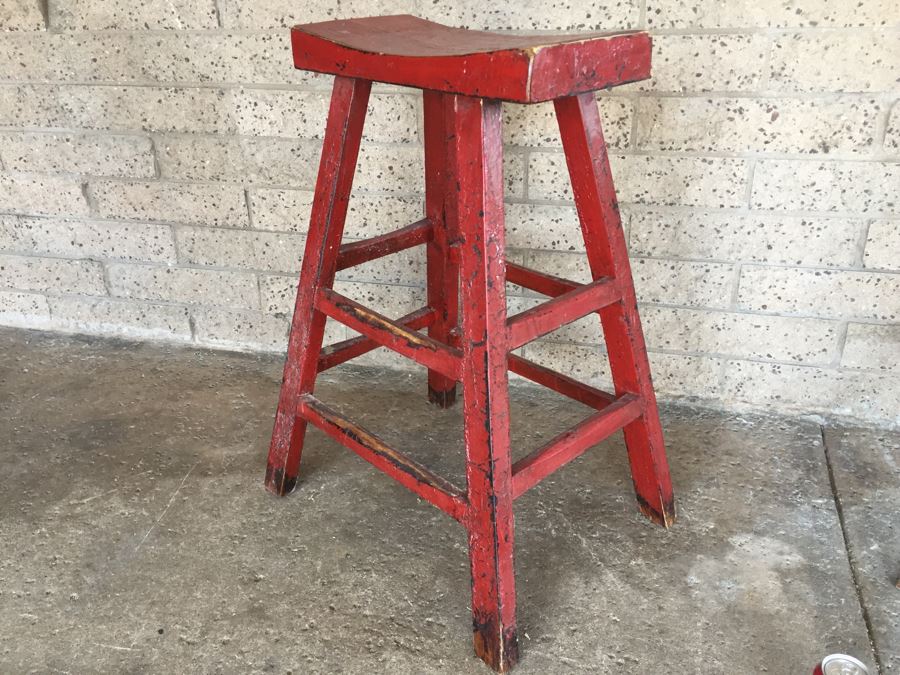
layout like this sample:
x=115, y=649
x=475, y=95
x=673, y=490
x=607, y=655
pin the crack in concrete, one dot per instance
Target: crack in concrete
x=851, y=561
x=166, y=510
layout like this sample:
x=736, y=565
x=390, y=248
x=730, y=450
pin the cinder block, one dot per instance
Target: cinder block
x=785, y=386
x=406, y=267
x=769, y=14
x=152, y=57
x=192, y=110
x=174, y=202
x=367, y=215
x=770, y=125
x=256, y=58
x=26, y=105
x=21, y=15
x=670, y=282
x=513, y=175
x=24, y=310
x=698, y=63
x=872, y=346
x=212, y=247
x=391, y=118
x=263, y=14
x=227, y=288
x=121, y=15
x=836, y=61
x=857, y=394
x=240, y=329
x=536, y=125
x=683, y=376
x=277, y=161
x=125, y=156
x=396, y=169
x=278, y=251
x=685, y=181
x=542, y=226
x=588, y=364
x=754, y=237
x=755, y=336
x=674, y=375
x=604, y=15
x=892, y=132
x=116, y=317
x=278, y=292
x=41, y=195
x=292, y=114
x=883, y=245
x=53, y=275
x=674, y=282
x=283, y=210
x=569, y=15
x=852, y=187
x=824, y=293
x=89, y=239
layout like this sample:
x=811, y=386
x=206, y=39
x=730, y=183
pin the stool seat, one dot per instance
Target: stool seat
x=410, y=51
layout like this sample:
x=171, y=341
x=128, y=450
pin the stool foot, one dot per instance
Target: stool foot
x=442, y=399
x=277, y=483
x=498, y=649
x=665, y=517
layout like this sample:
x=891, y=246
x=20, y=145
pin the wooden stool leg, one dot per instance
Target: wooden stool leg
x=340, y=148
x=598, y=210
x=443, y=270
x=475, y=166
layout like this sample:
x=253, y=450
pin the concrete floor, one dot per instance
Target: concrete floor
x=136, y=535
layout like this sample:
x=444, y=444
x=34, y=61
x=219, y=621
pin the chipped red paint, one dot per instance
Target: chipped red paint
x=545, y=284
x=412, y=344
x=565, y=447
x=469, y=336
x=475, y=174
x=545, y=318
x=562, y=384
x=601, y=225
x=359, y=252
x=340, y=148
x=413, y=52
x=367, y=445
x=341, y=352
x=443, y=268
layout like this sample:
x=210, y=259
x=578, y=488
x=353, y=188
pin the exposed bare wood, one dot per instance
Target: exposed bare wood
x=420, y=348
x=340, y=352
x=367, y=445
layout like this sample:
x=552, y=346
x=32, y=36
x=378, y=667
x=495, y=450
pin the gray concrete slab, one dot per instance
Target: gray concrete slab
x=137, y=537
x=866, y=469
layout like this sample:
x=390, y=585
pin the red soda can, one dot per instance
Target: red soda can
x=840, y=664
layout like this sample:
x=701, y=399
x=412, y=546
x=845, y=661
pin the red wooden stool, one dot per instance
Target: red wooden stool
x=464, y=76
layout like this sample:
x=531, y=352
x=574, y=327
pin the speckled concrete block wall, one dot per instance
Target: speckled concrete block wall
x=157, y=157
